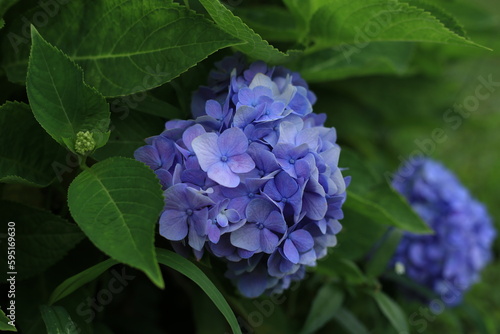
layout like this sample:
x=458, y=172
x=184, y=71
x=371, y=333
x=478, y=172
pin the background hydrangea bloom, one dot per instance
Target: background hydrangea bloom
x=253, y=178
x=449, y=261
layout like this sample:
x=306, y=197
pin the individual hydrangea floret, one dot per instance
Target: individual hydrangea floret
x=449, y=261
x=253, y=178
x=84, y=143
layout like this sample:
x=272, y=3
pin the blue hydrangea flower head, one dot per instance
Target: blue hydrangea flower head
x=448, y=262
x=253, y=178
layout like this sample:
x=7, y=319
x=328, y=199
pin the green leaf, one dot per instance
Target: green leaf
x=335, y=266
x=42, y=238
x=27, y=153
x=383, y=254
x=374, y=198
x=350, y=322
x=126, y=46
x=392, y=311
x=61, y=101
x=187, y=268
x=271, y=22
x=77, y=281
x=116, y=203
x=4, y=323
x=57, y=320
x=347, y=61
x=327, y=301
x=364, y=21
x=128, y=134
x=358, y=236
x=255, y=46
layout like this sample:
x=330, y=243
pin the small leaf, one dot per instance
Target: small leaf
x=4, y=323
x=57, y=320
x=392, y=311
x=365, y=21
x=374, y=198
x=116, y=203
x=326, y=303
x=77, y=281
x=62, y=103
x=255, y=46
x=42, y=238
x=187, y=268
x=27, y=153
x=350, y=322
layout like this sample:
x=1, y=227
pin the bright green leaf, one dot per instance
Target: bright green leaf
x=364, y=21
x=126, y=46
x=187, y=268
x=325, y=304
x=61, y=101
x=392, y=311
x=373, y=197
x=75, y=282
x=57, y=320
x=42, y=238
x=255, y=46
x=4, y=323
x=27, y=153
x=349, y=321
x=117, y=203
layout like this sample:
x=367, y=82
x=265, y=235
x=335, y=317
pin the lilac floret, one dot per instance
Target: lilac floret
x=448, y=262
x=253, y=179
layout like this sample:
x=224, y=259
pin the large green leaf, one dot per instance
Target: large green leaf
x=364, y=21
x=128, y=134
x=350, y=60
x=325, y=304
x=61, y=101
x=42, y=238
x=255, y=46
x=4, y=323
x=126, y=46
x=187, y=268
x=271, y=22
x=57, y=320
x=75, y=282
x=392, y=311
x=371, y=196
x=27, y=153
x=116, y=203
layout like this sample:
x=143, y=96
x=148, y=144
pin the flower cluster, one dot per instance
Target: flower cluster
x=449, y=261
x=253, y=179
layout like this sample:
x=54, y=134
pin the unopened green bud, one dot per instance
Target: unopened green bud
x=85, y=142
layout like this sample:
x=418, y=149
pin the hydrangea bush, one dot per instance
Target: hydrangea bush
x=253, y=178
x=449, y=261
x=114, y=203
